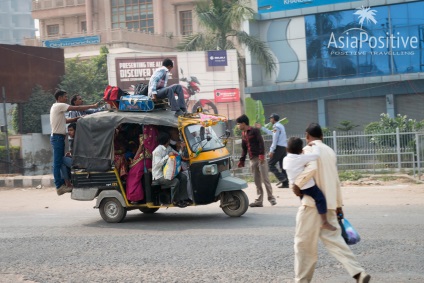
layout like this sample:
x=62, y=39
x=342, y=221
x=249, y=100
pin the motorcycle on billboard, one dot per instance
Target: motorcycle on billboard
x=190, y=88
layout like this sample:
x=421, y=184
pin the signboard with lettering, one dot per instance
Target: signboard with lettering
x=75, y=41
x=217, y=58
x=131, y=71
x=267, y=6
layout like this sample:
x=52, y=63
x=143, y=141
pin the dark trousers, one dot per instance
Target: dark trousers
x=279, y=154
x=319, y=198
x=168, y=92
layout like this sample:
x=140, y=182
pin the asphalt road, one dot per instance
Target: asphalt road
x=46, y=238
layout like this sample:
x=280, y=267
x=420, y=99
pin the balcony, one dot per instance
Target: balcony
x=53, y=4
x=47, y=9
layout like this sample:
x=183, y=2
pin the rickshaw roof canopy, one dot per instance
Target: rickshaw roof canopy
x=93, y=143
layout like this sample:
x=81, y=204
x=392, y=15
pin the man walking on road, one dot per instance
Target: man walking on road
x=277, y=150
x=308, y=224
x=58, y=123
x=253, y=143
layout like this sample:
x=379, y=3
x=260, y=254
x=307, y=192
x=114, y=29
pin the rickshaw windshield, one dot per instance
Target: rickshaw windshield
x=202, y=137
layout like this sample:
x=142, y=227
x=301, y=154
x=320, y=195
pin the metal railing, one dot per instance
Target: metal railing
x=360, y=151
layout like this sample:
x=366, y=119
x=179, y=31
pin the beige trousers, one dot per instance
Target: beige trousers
x=260, y=174
x=308, y=230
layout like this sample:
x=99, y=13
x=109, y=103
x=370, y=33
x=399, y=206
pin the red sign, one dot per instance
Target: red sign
x=227, y=95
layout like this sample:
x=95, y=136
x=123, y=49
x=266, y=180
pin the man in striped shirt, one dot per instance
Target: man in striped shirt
x=159, y=90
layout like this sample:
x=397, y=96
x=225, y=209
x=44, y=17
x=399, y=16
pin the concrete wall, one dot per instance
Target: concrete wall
x=36, y=153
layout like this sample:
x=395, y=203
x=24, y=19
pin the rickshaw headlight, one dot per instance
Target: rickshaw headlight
x=210, y=169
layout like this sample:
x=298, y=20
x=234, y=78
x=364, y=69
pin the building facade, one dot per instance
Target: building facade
x=16, y=22
x=340, y=60
x=80, y=26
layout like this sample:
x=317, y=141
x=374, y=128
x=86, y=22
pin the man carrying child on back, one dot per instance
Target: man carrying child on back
x=294, y=164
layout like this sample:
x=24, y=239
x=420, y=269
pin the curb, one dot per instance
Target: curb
x=27, y=181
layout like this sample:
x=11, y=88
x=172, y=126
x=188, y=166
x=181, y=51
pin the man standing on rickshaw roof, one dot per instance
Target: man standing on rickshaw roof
x=159, y=90
x=58, y=123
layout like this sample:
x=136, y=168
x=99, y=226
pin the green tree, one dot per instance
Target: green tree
x=221, y=20
x=39, y=103
x=87, y=78
x=346, y=126
x=388, y=125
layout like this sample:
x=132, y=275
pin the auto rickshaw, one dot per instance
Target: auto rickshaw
x=94, y=174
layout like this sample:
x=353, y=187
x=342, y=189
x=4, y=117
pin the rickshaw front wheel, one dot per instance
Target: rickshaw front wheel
x=149, y=210
x=237, y=205
x=112, y=211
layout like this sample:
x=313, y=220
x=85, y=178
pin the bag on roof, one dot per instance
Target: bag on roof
x=141, y=89
x=112, y=95
x=136, y=103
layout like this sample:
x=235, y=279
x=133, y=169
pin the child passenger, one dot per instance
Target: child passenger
x=294, y=163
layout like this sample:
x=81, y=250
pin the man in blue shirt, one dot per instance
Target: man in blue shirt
x=277, y=150
x=159, y=90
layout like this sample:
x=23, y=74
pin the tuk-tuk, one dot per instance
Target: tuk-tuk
x=94, y=174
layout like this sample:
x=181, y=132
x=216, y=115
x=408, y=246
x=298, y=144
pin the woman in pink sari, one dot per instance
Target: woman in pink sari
x=141, y=163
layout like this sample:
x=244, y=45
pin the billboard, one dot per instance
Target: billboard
x=75, y=41
x=200, y=82
x=131, y=71
x=267, y=6
x=24, y=67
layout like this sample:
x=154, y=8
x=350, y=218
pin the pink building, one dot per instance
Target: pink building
x=81, y=26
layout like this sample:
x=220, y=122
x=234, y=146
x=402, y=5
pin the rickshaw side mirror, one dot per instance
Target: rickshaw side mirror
x=227, y=133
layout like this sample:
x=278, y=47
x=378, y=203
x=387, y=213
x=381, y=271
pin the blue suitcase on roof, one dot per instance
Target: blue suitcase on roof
x=136, y=103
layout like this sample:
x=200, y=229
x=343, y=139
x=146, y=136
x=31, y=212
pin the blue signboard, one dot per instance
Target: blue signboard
x=217, y=58
x=75, y=41
x=266, y=6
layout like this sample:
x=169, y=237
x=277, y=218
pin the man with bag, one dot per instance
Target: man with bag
x=178, y=184
x=308, y=224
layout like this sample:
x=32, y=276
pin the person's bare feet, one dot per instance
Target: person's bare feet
x=328, y=226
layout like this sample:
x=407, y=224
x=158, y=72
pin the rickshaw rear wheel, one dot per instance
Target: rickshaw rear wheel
x=238, y=205
x=149, y=210
x=112, y=211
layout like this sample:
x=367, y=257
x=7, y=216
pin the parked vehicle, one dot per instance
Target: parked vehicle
x=190, y=88
x=95, y=176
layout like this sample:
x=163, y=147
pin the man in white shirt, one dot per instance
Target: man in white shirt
x=178, y=185
x=308, y=224
x=58, y=123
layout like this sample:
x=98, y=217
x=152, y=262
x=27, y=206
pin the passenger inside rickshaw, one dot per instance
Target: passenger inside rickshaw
x=133, y=148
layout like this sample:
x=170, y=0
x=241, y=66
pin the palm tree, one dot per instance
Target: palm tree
x=365, y=14
x=221, y=20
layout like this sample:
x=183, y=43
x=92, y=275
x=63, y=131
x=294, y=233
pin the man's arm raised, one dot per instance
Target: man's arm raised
x=79, y=108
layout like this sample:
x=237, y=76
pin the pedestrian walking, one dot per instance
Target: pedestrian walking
x=253, y=144
x=277, y=151
x=308, y=221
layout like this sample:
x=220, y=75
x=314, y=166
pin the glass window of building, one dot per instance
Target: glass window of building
x=133, y=14
x=52, y=30
x=83, y=26
x=186, y=22
x=370, y=41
